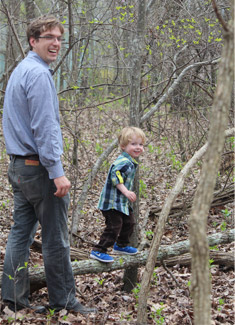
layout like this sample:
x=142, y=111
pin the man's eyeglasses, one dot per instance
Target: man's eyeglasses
x=52, y=38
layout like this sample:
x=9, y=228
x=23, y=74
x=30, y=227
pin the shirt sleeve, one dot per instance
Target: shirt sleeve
x=119, y=173
x=45, y=124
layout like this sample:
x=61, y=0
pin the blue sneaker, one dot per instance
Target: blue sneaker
x=102, y=257
x=125, y=250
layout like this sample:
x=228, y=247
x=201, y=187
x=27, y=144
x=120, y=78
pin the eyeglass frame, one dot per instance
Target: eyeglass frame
x=52, y=38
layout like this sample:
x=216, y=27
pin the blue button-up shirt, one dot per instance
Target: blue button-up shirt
x=122, y=171
x=31, y=123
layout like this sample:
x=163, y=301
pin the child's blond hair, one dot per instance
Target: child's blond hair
x=127, y=134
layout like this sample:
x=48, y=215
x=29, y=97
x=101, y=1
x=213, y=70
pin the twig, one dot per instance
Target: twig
x=89, y=242
x=218, y=15
x=171, y=274
x=80, y=293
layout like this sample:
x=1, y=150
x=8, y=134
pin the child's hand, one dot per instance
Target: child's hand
x=131, y=196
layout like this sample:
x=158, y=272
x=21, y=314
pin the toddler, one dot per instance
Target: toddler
x=117, y=196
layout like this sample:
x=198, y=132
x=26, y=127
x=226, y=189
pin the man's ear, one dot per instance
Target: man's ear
x=32, y=41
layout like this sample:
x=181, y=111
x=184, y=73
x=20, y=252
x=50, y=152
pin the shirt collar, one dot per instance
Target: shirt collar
x=125, y=154
x=36, y=57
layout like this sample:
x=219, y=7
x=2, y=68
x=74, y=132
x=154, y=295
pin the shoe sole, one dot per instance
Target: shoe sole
x=38, y=310
x=100, y=260
x=118, y=252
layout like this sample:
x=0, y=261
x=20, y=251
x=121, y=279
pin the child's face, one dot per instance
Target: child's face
x=135, y=147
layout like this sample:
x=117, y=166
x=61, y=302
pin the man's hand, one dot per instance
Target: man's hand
x=63, y=185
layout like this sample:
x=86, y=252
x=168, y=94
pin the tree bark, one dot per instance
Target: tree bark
x=88, y=266
x=200, y=284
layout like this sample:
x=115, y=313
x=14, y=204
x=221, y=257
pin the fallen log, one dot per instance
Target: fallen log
x=220, y=198
x=88, y=266
x=225, y=259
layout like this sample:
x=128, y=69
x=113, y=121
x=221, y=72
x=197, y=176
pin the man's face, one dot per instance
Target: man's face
x=47, y=49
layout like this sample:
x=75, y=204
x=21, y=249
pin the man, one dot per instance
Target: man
x=33, y=140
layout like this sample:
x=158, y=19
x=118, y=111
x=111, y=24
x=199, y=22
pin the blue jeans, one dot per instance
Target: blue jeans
x=34, y=201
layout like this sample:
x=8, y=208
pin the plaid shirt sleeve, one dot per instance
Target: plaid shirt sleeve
x=120, y=172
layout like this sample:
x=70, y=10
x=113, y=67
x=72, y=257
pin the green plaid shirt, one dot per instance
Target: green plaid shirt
x=122, y=171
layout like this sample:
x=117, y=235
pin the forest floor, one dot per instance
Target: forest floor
x=169, y=300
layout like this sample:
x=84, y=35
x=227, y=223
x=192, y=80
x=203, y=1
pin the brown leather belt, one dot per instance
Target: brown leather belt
x=32, y=157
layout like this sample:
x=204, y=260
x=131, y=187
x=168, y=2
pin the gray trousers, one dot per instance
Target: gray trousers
x=34, y=201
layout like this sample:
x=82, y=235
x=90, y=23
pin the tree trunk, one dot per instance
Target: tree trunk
x=201, y=289
x=130, y=276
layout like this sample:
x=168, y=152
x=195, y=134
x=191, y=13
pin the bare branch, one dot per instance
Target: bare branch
x=13, y=28
x=174, y=85
x=218, y=15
